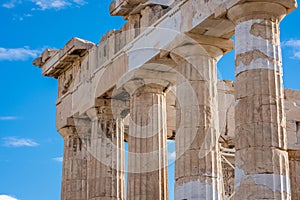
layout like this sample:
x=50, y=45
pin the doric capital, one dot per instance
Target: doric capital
x=191, y=45
x=150, y=77
x=257, y=10
x=139, y=86
x=111, y=108
x=193, y=53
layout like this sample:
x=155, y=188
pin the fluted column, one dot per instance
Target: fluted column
x=74, y=176
x=147, y=157
x=198, y=165
x=262, y=166
x=106, y=161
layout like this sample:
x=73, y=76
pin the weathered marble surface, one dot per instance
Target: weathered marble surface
x=156, y=78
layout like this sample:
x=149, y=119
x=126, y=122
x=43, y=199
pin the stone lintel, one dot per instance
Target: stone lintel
x=58, y=61
x=167, y=30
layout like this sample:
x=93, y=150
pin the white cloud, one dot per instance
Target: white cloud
x=11, y=3
x=297, y=55
x=13, y=54
x=172, y=155
x=8, y=118
x=57, y=4
x=8, y=5
x=171, y=150
x=18, y=142
x=6, y=197
x=51, y=4
x=58, y=159
x=292, y=43
x=46, y=4
x=80, y=2
x=21, y=17
x=295, y=45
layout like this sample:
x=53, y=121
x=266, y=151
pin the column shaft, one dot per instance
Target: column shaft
x=147, y=178
x=262, y=168
x=198, y=166
x=74, y=176
x=105, y=168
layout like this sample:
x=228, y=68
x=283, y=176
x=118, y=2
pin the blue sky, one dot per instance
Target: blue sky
x=30, y=147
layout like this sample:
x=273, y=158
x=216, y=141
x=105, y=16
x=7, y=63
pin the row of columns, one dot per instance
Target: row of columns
x=262, y=162
x=94, y=151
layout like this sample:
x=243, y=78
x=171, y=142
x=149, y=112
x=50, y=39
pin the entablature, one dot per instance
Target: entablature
x=61, y=60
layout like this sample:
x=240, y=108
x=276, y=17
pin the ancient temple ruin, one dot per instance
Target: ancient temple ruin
x=156, y=80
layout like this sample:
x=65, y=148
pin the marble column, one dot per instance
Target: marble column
x=106, y=161
x=262, y=165
x=147, y=153
x=198, y=165
x=74, y=176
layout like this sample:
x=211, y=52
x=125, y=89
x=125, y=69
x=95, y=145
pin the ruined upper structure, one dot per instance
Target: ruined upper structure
x=156, y=79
